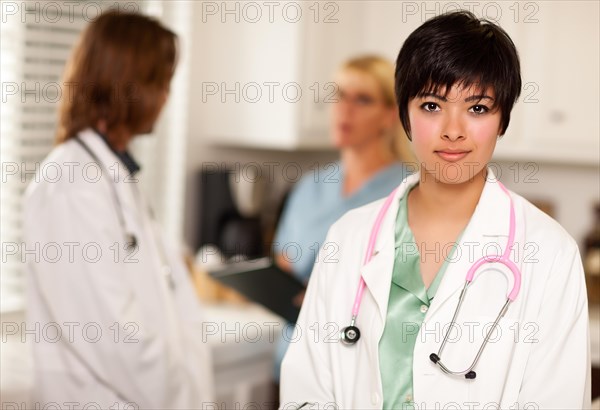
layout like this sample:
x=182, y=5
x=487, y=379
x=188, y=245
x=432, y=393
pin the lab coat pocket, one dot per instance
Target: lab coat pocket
x=494, y=364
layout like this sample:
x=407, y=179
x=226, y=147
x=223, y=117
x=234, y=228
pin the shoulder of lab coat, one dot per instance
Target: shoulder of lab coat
x=306, y=376
x=75, y=210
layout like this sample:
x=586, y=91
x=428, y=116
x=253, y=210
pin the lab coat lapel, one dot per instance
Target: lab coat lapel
x=109, y=161
x=377, y=273
x=488, y=225
x=116, y=174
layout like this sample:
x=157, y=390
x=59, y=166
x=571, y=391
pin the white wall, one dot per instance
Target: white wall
x=572, y=189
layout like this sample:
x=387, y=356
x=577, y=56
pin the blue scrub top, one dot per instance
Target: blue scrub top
x=317, y=202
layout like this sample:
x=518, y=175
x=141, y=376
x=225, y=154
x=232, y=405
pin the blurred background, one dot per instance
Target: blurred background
x=249, y=115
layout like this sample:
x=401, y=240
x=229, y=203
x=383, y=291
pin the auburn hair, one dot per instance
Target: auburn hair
x=119, y=72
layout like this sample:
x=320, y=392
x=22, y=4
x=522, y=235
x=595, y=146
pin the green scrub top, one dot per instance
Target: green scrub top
x=407, y=307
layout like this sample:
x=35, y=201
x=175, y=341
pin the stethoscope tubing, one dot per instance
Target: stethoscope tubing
x=369, y=253
x=130, y=239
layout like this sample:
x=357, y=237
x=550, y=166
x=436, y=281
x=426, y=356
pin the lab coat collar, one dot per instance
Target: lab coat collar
x=125, y=157
x=489, y=221
x=126, y=165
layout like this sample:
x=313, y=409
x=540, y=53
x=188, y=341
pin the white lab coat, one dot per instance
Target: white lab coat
x=548, y=367
x=149, y=352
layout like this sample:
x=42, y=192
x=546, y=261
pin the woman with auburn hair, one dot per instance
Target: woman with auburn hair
x=123, y=302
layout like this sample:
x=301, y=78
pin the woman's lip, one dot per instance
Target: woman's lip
x=345, y=127
x=452, y=156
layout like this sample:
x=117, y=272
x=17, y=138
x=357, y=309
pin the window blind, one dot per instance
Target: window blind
x=36, y=39
x=35, y=44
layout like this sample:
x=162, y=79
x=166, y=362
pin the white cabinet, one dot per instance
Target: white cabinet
x=264, y=71
x=244, y=76
x=557, y=116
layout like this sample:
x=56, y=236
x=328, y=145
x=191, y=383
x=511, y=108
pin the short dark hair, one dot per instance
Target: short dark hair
x=457, y=47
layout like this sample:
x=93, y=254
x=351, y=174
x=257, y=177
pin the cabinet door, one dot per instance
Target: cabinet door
x=333, y=32
x=246, y=70
x=557, y=113
x=289, y=55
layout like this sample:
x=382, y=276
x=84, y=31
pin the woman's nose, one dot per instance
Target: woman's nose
x=344, y=107
x=453, y=128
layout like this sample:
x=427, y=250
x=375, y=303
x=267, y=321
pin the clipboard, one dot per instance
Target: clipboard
x=263, y=282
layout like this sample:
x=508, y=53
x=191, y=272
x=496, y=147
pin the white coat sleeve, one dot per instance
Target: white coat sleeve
x=306, y=380
x=90, y=287
x=557, y=374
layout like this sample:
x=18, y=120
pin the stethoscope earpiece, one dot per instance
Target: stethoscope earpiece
x=350, y=335
x=435, y=359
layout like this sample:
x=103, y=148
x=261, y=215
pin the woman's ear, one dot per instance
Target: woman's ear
x=391, y=118
x=500, y=133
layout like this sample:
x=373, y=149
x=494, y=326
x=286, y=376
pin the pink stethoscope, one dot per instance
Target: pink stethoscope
x=350, y=334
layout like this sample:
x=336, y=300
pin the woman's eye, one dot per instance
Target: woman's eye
x=429, y=106
x=364, y=100
x=480, y=109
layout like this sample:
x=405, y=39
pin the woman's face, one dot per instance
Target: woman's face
x=162, y=100
x=360, y=114
x=454, y=138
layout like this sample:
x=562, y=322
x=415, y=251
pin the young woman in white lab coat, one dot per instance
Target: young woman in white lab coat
x=118, y=322
x=457, y=79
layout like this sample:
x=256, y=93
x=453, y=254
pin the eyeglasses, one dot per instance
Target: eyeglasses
x=357, y=100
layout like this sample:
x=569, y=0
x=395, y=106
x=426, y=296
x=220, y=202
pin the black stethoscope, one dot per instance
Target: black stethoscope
x=351, y=334
x=131, y=241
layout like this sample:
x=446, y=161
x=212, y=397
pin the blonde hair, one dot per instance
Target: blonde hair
x=382, y=71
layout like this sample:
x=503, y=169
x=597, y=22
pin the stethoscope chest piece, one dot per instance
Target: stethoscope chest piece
x=131, y=242
x=350, y=335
